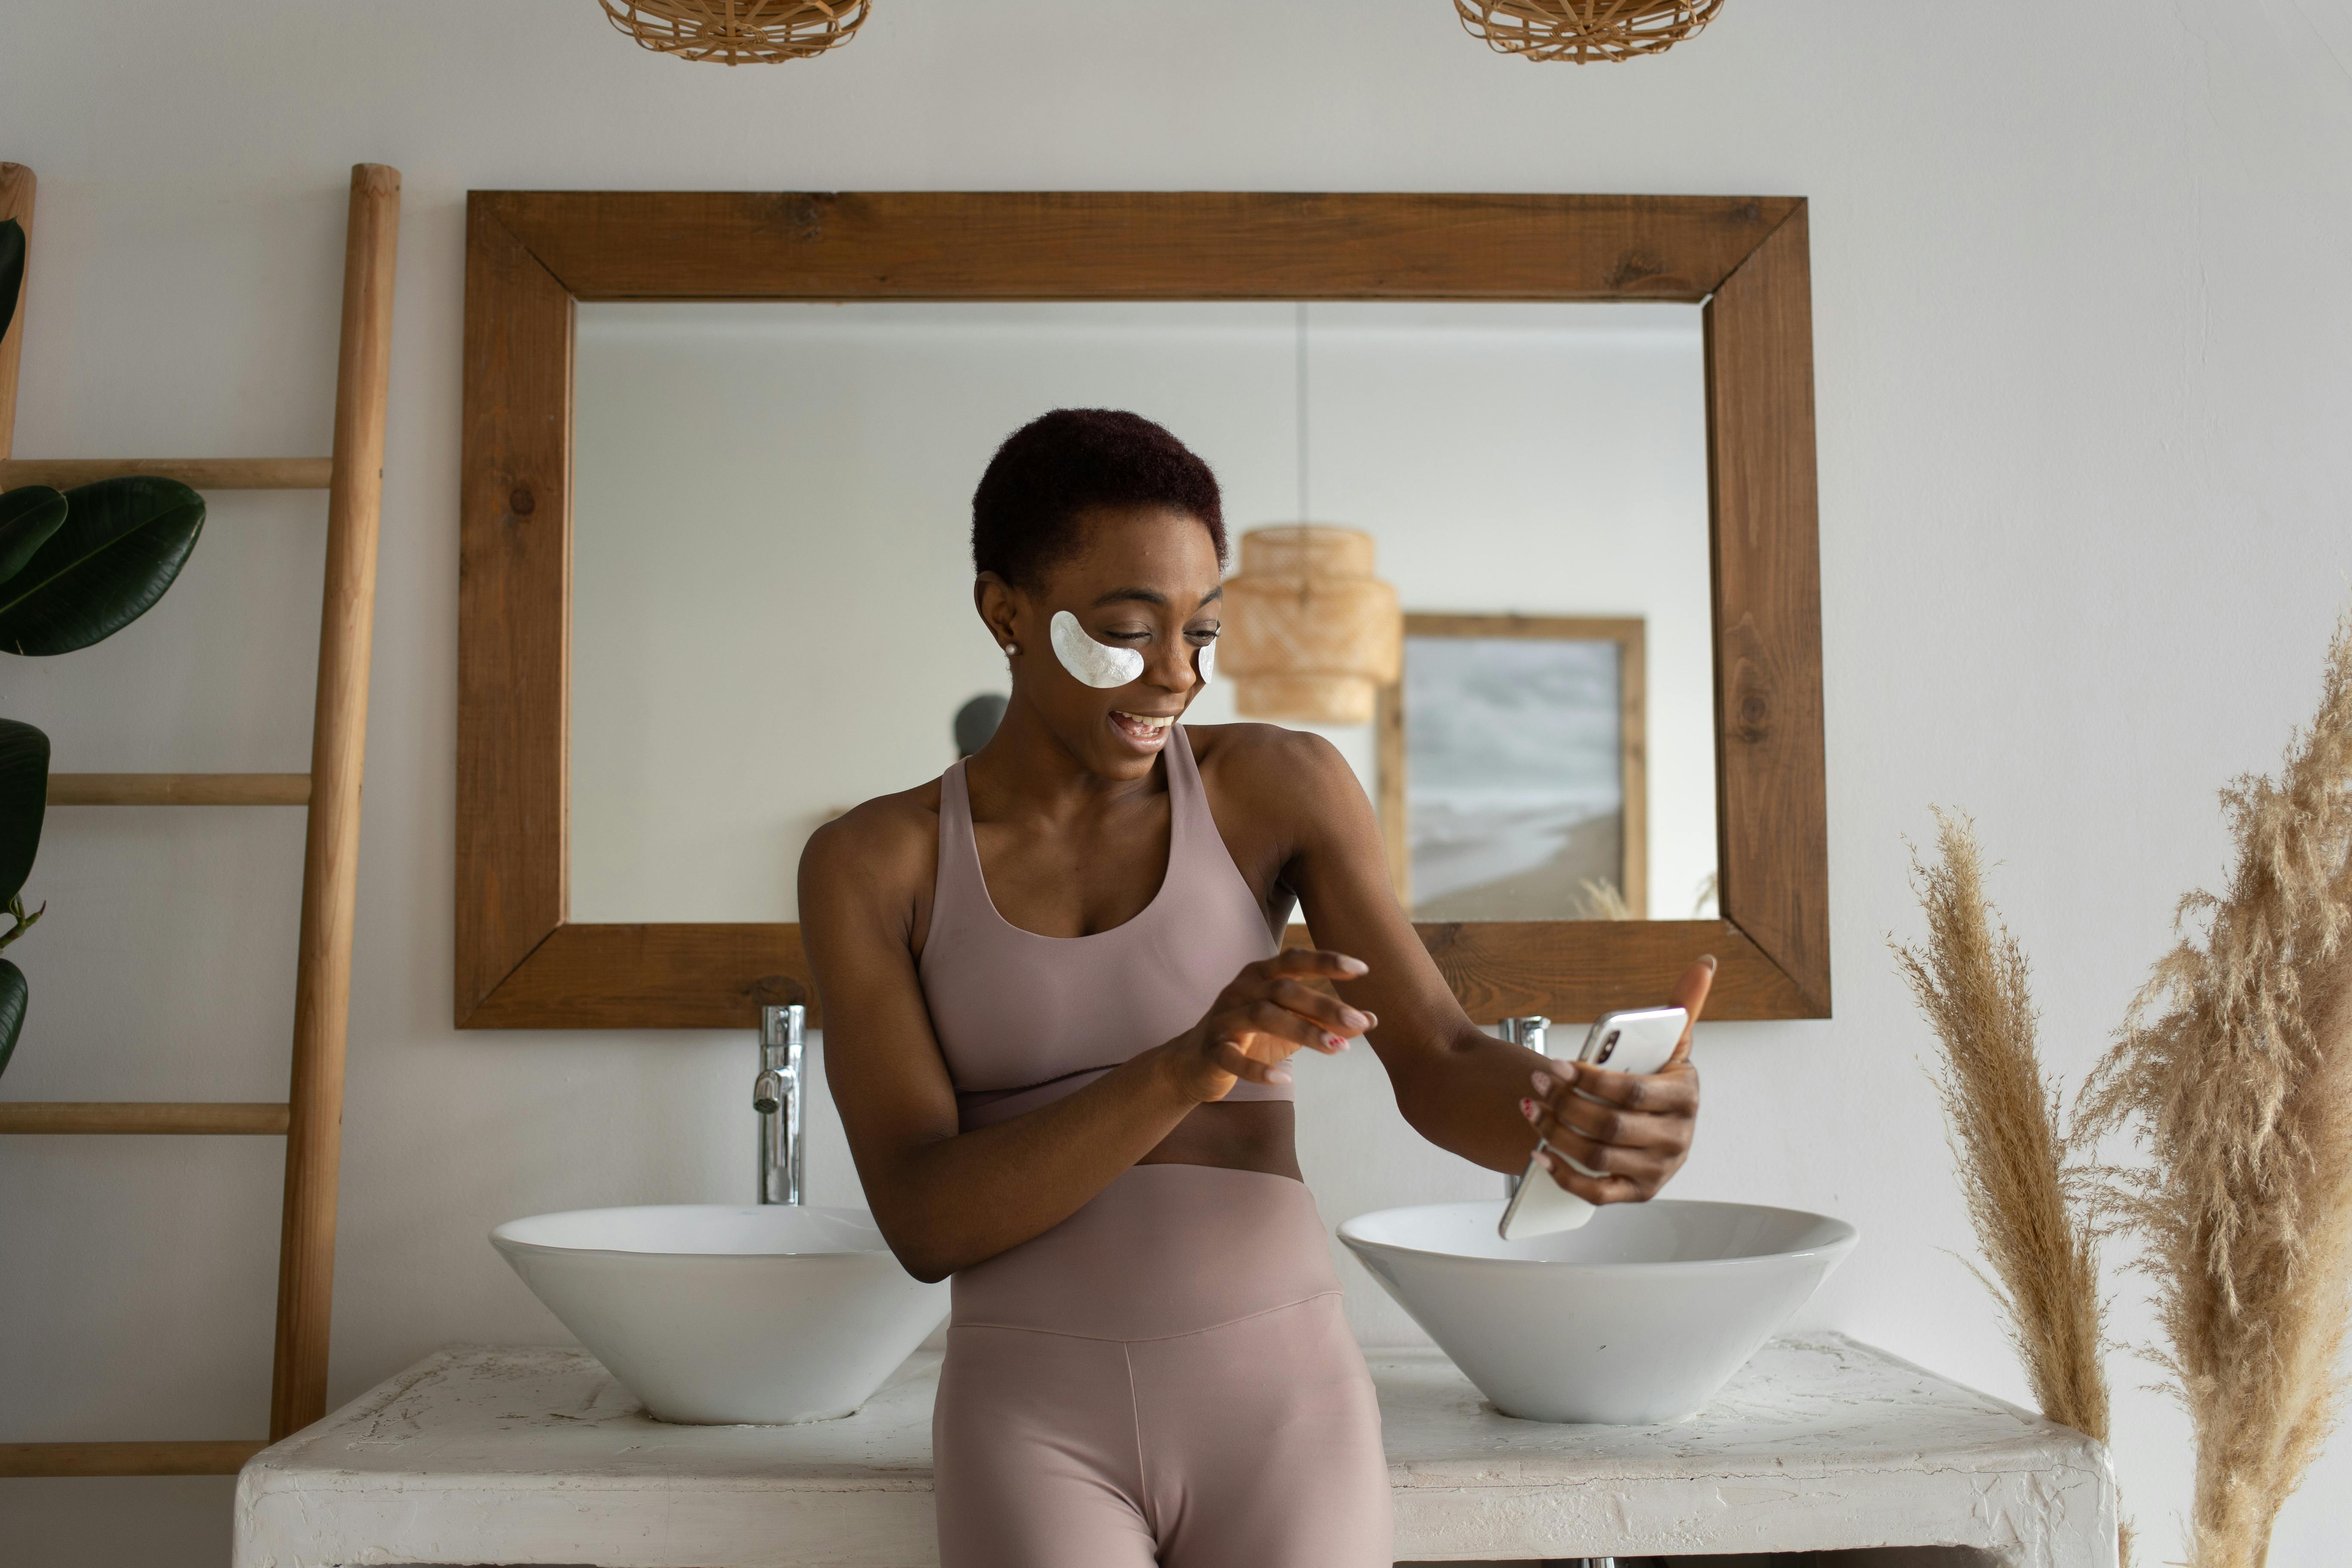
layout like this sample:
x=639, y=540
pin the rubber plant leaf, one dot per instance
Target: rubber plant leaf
x=23, y=799
x=28, y=515
x=122, y=544
x=12, y=270
x=13, y=996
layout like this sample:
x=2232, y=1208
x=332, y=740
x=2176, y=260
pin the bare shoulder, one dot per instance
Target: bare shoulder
x=1270, y=767
x=887, y=847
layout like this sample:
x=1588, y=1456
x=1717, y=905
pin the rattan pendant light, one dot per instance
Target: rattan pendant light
x=757, y=32
x=1584, y=30
x=1310, y=632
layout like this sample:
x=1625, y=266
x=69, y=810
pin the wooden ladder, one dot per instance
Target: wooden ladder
x=312, y=1119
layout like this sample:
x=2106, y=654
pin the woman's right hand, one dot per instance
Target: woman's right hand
x=1267, y=1013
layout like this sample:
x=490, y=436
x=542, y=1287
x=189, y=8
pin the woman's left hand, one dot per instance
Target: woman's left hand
x=1636, y=1128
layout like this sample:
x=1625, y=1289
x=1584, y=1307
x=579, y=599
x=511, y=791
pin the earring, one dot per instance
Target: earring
x=1012, y=649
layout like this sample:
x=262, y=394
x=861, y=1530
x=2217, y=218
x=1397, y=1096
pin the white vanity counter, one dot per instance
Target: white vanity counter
x=483, y=1455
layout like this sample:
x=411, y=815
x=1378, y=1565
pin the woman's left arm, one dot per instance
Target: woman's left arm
x=1460, y=1088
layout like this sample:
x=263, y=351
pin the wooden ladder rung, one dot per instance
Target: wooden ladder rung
x=203, y=473
x=179, y=789
x=143, y=1116
x=217, y=1459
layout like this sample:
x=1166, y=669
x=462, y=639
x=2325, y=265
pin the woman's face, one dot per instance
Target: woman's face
x=1145, y=579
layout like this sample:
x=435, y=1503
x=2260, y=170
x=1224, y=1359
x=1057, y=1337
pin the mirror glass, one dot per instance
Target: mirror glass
x=772, y=614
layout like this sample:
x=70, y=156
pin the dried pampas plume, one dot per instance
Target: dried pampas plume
x=1602, y=901
x=1971, y=980
x=2234, y=1073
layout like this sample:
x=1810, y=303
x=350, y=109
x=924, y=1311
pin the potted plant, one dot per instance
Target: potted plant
x=76, y=567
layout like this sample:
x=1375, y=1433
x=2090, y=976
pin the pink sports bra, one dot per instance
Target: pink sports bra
x=1025, y=1019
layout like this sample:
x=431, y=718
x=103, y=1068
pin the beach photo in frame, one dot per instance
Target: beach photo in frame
x=1512, y=774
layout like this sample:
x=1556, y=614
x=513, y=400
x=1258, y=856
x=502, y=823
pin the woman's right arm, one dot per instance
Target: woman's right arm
x=946, y=1199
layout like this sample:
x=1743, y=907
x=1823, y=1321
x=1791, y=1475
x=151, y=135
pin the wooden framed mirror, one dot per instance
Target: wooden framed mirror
x=533, y=258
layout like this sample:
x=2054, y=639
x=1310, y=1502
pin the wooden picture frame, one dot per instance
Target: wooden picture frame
x=1392, y=739
x=523, y=962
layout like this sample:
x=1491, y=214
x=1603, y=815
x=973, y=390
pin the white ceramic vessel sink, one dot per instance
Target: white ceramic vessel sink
x=716, y=1314
x=1637, y=1318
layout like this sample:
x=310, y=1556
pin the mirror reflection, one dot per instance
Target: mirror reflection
x=772, y=614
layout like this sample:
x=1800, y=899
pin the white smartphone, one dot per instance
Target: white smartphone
x=1641, y=1040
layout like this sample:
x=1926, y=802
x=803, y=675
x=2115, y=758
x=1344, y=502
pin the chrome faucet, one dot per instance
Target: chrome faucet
x=776, y=1095
x=1526, y=1030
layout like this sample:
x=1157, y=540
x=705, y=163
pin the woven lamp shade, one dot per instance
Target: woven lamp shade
x=1584, y=30
x=761, y=32
x=1309, y=633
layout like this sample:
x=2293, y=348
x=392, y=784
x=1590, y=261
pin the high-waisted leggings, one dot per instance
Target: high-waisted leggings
x=1163, y=1378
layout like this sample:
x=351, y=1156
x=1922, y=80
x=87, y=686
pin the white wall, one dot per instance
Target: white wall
x=2084, y=354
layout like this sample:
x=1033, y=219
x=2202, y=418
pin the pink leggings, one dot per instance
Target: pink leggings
x=1164, y=1378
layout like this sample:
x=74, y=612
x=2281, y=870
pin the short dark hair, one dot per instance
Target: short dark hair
x=1060, y=466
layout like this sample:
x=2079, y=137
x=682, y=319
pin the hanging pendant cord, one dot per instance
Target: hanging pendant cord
x=1301, y=379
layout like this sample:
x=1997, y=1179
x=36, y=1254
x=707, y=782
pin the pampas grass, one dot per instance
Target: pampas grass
x=1602, y=901
x=1971, y=979
x=2234, y=1072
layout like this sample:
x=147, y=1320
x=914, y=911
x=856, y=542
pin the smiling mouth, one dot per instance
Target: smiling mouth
x=1144, y=729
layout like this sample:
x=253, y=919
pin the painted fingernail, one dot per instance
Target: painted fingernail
x=1707, y=959
x=1542, y=1081
x=1528, y=1109
x=1355, y=1020
x=1335, y=1042
x=1278, y=1076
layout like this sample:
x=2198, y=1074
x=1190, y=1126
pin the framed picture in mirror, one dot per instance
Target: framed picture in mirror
x=704, y=431
x=1513, y=770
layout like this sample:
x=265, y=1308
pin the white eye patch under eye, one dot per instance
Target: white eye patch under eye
x=1207, y=663
x=1089, y=661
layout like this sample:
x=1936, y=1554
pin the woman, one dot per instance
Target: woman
x=1056, y=1018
